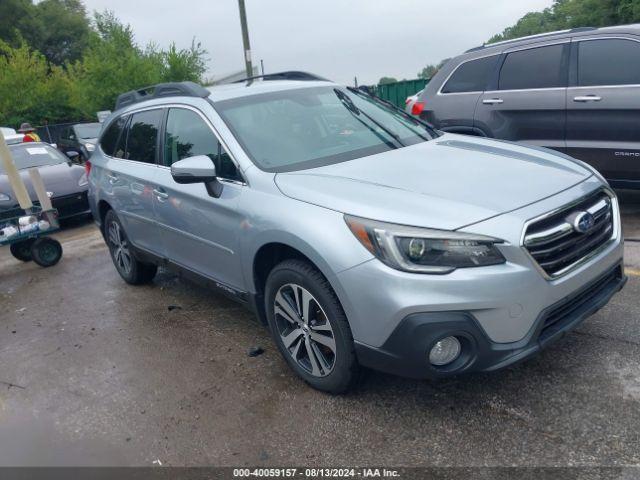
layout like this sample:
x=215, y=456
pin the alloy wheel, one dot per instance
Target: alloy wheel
x=120, y=248
x=305, y=330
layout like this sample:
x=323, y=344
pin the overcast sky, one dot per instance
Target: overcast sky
x=337, y=39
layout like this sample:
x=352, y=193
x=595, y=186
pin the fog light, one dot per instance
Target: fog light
x=445, y=351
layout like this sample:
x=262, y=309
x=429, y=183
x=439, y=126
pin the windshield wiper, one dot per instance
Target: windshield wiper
x=348, y=103
x=396, y=110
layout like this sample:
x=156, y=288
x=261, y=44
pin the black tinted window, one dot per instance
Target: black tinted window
x=471, y=76
x=109, y=140
x=142, y=138
x=187, y=135
x=535, y=68
x=608, y=62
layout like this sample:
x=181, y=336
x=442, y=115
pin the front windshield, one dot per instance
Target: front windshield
x=28, y=156
x=312, y=127
x=88, y=130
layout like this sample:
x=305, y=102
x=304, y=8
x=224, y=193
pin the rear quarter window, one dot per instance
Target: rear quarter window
x=109, y=141
x=471, y=76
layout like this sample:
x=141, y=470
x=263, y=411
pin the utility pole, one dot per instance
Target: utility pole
x=262, y=66
x=245, y=39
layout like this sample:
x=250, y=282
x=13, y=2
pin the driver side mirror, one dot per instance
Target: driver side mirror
x=198, y=169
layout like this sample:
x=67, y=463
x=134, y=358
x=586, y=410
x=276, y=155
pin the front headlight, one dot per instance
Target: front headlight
x=83, y=180
x=4, y=197
x=424, y=250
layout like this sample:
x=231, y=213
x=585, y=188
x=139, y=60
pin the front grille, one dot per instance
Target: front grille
x=557, y=245
x=579, y=305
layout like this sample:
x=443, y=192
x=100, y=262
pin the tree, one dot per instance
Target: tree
x=185, y=64
x=16, y=17
x=571, y=14
x=387, y=80
x=62, y=31
x=31, y=90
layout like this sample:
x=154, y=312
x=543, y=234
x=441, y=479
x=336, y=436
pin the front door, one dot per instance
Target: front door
x=199, y=232
x=603, y=106
x=527, y=99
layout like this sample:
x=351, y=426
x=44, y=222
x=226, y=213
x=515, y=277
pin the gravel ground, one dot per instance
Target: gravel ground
x=95, y=372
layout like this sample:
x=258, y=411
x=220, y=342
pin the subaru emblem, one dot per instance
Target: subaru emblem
x=583, y=222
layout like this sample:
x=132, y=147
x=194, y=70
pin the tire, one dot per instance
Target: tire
x=132, y=271
x=334, y=370
x=46, y=251
x=22, y=250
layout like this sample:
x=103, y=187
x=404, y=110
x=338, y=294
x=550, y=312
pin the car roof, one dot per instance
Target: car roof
x=498, y=47
x=244, y=89
x=157, y=95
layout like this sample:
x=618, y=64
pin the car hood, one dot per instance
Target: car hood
x=446, y=183
x=60, y=179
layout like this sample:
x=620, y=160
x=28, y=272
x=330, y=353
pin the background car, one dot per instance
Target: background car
x=81, y=138
x=11, y=136
x=65, y=182
x=576, y=91
x=410, y=102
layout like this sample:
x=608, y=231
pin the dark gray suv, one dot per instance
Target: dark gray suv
x=576, y=91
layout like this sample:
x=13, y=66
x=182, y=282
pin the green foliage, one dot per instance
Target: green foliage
x=387, y=80
x=571, y=14
x=185, y=64
x=70, y=70
x=30, y=89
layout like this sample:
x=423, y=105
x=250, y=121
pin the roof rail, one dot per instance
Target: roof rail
x=529, y=37
x=180, y=89
x=288, y=75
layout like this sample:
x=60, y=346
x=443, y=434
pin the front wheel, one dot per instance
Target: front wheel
x=310, y=328
x=130, y=269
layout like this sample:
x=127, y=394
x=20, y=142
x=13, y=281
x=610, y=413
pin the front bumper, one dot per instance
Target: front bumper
x=406, y=351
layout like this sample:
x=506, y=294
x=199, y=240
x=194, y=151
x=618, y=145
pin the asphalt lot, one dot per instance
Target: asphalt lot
x=95, y=372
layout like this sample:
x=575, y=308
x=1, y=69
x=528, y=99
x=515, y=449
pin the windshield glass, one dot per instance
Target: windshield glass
x=27, y=156
x=88, y=130
x=311, y=127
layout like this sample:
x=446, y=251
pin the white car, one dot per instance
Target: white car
x=410, y=102
x=11, y=136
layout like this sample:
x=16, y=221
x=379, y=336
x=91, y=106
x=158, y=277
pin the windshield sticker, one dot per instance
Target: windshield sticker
x=37, y=151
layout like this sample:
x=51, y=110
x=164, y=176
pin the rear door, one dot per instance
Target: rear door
x=199, y=232
x=603, y=106
x=527, y=98
x=130, y=178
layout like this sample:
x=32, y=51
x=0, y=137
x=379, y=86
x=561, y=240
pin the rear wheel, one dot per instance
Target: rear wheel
x=130, y=269
x=22, y=250
x=309, y=327
x=46, y=251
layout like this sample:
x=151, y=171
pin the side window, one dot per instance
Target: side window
x=188, y=135
x=471, y=76
x=608, y=62
x=109, y=141
x=142, y=137
x=540, y=67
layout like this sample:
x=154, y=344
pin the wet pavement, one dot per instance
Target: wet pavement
x=96, y=372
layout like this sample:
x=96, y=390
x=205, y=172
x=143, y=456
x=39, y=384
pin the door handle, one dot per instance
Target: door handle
x=492, y=101
x=162, y=196
x=587, y=98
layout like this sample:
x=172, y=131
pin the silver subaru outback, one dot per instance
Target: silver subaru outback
x=360, y=235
